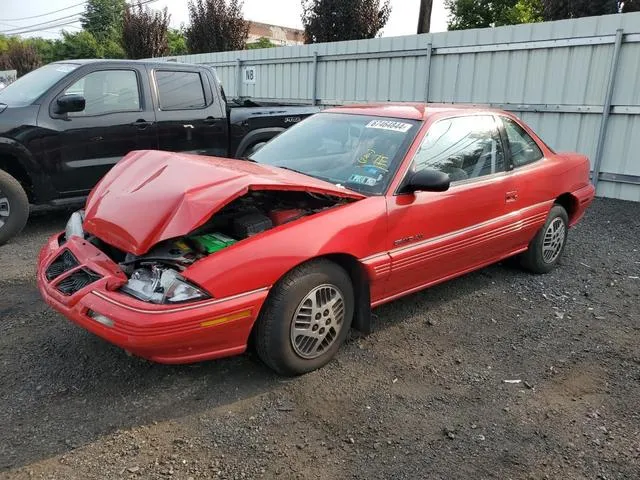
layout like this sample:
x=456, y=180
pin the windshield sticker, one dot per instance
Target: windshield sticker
x=363, y=180
x=389, y=125
x=374, y=159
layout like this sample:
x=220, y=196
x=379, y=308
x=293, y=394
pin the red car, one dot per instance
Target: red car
x=179, y=258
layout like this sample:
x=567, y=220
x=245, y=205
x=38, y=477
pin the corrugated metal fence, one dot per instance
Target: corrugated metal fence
x=576, y=82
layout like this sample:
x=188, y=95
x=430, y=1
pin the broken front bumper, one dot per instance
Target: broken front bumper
x=81, y=282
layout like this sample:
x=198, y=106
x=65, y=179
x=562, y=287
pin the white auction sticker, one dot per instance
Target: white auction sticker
x=389, y=125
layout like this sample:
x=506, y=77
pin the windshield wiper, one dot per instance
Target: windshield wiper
x=292, y=170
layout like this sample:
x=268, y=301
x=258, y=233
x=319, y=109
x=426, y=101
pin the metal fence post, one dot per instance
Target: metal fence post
x=314, y=80
x=428, y=76
x=239, y=77
x=604, y=123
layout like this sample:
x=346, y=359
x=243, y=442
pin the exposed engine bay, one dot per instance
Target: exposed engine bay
x=154, y=277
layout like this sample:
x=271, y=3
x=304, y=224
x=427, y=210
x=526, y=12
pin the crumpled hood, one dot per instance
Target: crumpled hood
x=151, y=196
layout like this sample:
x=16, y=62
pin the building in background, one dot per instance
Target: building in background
x=280, y=36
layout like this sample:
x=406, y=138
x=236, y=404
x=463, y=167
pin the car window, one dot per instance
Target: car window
x=524, y=149
x=463, y=147
x=180, y=90
x=107, y=91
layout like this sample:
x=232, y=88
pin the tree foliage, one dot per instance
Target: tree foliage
x=336, y=20
x=630, y=6
x=466, y=14
x=103, y=19
x=262, y=42
x=561, y=9
x=177, y=42
x=20, y=56
x=145, y=31
x=216, y=26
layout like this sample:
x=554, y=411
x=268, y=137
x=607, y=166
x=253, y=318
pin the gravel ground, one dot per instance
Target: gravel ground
x=424, y=396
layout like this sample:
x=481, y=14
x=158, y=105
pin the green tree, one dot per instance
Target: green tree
x=20, y=56
x=561, y=9
x=45, y=48
x=177, y=42
x=103, y=19
x=145, y=32
x=216, y=26
x=77, y=45
x=262, y=42
x=336, y=20
x=466, y=14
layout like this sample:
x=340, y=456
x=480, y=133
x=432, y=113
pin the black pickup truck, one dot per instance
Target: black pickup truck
x=64, y=125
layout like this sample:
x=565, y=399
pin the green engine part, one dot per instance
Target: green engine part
x=212, y=242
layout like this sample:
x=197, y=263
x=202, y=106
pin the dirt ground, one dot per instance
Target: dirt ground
x=424, y=396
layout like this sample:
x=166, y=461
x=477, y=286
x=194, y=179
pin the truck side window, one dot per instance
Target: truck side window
x=107, y=91
x=180, y=90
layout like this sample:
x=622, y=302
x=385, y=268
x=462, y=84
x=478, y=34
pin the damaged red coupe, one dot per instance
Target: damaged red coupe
x=179, y=258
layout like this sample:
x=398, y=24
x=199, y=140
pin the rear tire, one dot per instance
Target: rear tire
x=14, y=207
x=306, y=318
x=547, y=246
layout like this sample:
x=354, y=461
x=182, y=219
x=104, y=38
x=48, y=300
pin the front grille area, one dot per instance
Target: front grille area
x=65, y=262
x=77, y=281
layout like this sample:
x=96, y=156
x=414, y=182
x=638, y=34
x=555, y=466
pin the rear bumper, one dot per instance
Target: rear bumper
x=183, y=333
x=584, y=196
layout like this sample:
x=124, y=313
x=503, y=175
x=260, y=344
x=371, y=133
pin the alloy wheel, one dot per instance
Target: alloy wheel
x=553, y=241
x=317, y=321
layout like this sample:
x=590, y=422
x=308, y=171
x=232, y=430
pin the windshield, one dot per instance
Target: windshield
x=359, y=152
x=29, y=87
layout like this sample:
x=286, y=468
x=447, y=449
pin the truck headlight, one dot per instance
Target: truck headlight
x=162, y=286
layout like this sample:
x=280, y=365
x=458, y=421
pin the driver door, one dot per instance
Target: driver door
x=116, y=120
x=434, y=236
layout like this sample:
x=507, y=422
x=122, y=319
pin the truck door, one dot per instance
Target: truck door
x=189, y=113
x=80, y=147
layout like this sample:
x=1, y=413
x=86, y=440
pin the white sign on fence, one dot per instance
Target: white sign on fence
x=249, y=75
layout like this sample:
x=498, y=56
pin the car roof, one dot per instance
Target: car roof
x=411, y=110
x=156, y=63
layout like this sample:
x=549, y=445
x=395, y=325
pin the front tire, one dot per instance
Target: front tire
x=306, y=318
x=547, y=246
x=14, y=207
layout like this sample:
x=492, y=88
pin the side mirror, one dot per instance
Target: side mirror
x=70, y=103
x=426, y=180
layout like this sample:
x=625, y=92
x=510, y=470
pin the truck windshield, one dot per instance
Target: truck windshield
x=359, y=152
x=29, y=87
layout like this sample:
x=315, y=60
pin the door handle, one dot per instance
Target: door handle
x=142, y=124
x=210, y=121
x=511, y=196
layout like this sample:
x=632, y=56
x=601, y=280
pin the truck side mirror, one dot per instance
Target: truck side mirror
x=70, y=103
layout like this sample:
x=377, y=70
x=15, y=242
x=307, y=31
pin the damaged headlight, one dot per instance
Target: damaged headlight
x=74, y=225
x=161, y=286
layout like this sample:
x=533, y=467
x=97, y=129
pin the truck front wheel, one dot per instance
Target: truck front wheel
x=14, y=207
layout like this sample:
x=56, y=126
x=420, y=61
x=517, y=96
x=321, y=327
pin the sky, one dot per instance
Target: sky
x=403, y=20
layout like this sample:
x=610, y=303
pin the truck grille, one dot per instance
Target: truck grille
x=65, y=262
x=77, y=281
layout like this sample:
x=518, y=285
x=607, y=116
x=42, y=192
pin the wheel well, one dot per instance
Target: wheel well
x=361, y=290
x=570, y=204
x=12, y=167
